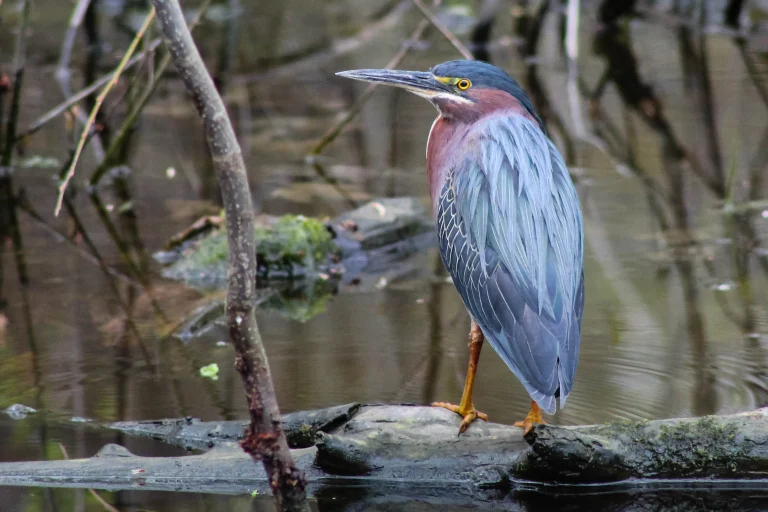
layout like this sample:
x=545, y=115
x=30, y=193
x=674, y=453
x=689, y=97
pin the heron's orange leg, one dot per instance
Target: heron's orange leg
x=466, y=408
x=534, y=416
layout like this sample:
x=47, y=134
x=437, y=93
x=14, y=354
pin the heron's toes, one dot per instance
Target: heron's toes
x=468, y=416
x=529, y=421
x=526, y=424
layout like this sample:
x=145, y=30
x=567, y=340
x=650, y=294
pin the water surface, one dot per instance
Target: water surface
x=675, y=315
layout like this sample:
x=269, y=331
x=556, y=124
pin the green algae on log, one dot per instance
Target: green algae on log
x=414, y=452
x=375, y=236
x=289, y=246
x=714, y=447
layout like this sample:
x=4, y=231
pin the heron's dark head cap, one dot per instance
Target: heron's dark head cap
x=456, y=86
x=481, y=75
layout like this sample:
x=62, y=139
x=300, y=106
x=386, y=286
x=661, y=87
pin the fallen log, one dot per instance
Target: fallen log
x=415, y=451
x=192, y=434
x=712, y=447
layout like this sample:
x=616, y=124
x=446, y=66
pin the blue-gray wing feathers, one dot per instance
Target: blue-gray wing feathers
x=510, y=233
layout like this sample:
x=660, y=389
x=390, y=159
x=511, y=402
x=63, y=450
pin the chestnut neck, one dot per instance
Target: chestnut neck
x=448, y=138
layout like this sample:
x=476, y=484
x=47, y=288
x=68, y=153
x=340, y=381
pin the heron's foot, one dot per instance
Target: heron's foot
x=533, y=417
x=469, y=414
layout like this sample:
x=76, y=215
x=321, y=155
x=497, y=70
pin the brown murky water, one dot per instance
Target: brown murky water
x=675, y=318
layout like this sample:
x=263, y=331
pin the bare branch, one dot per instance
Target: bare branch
x=335, y=130
x=84, y=93
x=265, y=440
x=439, y=25
x=99, y=100
x=19, y=64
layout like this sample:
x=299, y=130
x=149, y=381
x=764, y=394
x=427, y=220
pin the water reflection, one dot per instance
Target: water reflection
x=670, y=169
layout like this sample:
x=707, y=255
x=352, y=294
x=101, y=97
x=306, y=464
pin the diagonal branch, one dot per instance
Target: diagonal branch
x=439, y=25
x=265, y=440
x=354, y=110
x=84, y=93
x=99, y=100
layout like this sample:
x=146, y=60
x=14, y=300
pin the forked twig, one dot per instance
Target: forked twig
x=99, y=100
x=83, y=93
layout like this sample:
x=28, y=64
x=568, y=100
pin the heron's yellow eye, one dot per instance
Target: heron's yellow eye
x=463, y=84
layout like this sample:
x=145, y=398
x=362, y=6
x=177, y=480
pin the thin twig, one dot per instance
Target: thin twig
x=19, y=61
x=63, y=73
x=84, y=93
x=439, y=25
x=96, y=495
x=76, y=19
x=62, y=70
x=339, y=48
x=94, y=257
x=265, y=440
x=97, y=106
x=335, y=130
x=752, y=71
x=138, y=107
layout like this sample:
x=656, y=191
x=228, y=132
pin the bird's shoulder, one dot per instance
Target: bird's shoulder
x=511, y=197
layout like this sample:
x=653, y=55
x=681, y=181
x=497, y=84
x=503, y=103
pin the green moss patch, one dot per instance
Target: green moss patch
x=684, y=448
x=292, y=246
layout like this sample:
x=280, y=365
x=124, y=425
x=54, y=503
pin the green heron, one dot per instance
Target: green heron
x=508, y=223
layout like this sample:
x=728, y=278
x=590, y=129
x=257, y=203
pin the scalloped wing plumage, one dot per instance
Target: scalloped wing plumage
x=510, y=233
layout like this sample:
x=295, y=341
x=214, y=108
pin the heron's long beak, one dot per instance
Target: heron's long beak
x=418, y=82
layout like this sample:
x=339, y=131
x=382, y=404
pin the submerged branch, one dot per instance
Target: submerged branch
x=266, y=440
x=96, y=496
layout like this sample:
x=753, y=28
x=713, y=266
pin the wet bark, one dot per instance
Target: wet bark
x=265, y=440
x=714, y=447
x=376, y=445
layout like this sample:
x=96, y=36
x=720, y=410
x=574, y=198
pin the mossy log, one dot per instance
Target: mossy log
x=351, y=440
x=376, y=236
x=711, y=447
x=402, y=448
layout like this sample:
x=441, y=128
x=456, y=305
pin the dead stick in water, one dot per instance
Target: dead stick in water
x=65, y=105
x=265, y=440
x=99, y=100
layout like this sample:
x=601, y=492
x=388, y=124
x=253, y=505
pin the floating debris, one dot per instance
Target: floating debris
x=210, y=372
x=42, y=162
x=19, y=411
